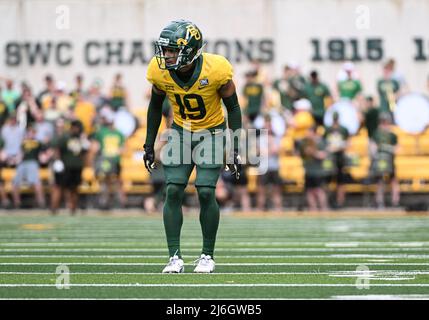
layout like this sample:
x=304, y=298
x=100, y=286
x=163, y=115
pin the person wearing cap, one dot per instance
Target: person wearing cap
x=253, y=92
x=319, y=95
x=383, y=148
x=302, y=120
x=69, y=152
x=349, y=87
x=336, y=139
x=109, y=144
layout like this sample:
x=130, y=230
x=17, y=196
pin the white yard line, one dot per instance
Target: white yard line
x=331, y=273
x=222, y=264
x=164, y=256
x=384, y=244
x=213, y=285
x=221, y=249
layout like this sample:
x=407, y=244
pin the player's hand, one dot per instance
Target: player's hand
x=235, y=168
x=149, y=158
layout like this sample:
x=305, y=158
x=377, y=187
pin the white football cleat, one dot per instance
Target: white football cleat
x=205, y=264
x=175, y=265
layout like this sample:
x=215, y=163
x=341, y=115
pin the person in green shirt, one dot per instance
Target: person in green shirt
x=336, y=139
x=318, y=93
x=10, y=96
x=282, y=87
x=349, y=87
x=27, y=170
x=311, y=149
x=254, y=94
x=109, y=143
x=383, y=149
x=388, y=89
x=69, y=152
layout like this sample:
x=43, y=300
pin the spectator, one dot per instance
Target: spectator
x=69, y=152
x=5, y=203
x=396, y=75
x=109, y=144
x=64, y=103
x=253, y=92
x=297, y=82
x=319, y=95
x=312, y=152
x=349, y=87
x=28, y=169
x=44, y=129
x=336, y=139
x=95, y=95
x=51, y=112
x=10, y=96
x=383, y=150
x=27, y=109
x=44, y=99
x=282, y=86
x=302, y=120
x=4, y=111
x=270, y=182
x=118, y=94
x=85, y=112
x=78, y=90
x=371, y=114
x=12, y=135
x=388, y=89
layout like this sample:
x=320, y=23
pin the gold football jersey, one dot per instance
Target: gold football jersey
x=196, y=104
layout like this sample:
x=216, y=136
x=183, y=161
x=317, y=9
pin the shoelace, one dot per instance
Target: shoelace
x=204, y=260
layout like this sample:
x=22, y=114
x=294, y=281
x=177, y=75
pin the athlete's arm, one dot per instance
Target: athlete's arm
x=154, y=116
x=229, y=97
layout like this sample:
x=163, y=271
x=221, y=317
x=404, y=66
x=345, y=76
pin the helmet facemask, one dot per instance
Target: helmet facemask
x=186, y=55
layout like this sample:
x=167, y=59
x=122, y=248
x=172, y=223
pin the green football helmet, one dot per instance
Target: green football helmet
x=182, y=36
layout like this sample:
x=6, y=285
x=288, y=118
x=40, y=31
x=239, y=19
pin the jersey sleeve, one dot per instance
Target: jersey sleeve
x=152, y=71
x=225, y=71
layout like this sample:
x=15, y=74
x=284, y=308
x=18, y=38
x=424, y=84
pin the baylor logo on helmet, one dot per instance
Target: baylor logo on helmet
x=194, y=32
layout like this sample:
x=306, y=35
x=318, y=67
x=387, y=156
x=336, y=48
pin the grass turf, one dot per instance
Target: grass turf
x=256, y=257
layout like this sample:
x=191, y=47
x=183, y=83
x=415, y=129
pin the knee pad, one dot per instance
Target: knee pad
x=174, y=191
x=206, y=194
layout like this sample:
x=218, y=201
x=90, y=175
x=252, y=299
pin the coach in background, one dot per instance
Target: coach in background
x=383, y=147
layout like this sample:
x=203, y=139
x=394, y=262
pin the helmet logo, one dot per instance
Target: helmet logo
x=194, y=32
x=181, y=42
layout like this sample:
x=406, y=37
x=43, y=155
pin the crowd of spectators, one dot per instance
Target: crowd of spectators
x=64, y=131
x=67, y=129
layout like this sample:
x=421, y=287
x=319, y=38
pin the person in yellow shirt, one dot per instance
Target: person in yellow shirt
x=194, y=83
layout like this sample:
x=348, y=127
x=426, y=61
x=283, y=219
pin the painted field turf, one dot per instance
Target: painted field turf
x=256, y=258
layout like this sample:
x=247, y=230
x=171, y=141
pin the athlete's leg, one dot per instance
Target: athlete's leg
x=209, y=218
x=173, y=216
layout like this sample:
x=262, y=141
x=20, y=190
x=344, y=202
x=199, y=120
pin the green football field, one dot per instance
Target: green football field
x=260, y=257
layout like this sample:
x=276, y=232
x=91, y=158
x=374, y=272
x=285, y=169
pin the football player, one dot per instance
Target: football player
x=194, y=83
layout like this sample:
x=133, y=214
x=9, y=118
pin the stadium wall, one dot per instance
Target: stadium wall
x=101, y=37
